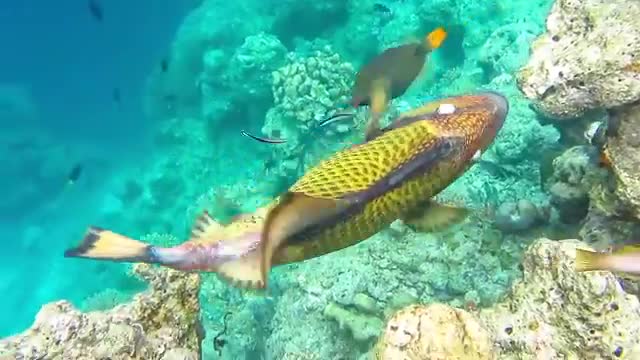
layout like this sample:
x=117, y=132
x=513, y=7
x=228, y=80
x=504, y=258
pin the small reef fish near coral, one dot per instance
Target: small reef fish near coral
x=343, y=200
x=385, y=77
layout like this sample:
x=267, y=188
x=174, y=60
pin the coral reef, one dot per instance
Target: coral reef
x=307, y=89
x=518, y=216
x=554, y=312
x=587, y=59
x=162, y=323
x=624, y=151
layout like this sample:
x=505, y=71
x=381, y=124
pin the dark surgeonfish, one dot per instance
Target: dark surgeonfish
x=387, y=76
x=344, y=200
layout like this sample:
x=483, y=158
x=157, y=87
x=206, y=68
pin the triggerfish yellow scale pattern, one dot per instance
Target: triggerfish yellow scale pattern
x=359, y=191
x=345, y=199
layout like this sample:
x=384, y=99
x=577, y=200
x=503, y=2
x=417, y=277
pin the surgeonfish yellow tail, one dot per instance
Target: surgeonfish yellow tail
x=104, y=244
x=587, y=260
x=435, y=38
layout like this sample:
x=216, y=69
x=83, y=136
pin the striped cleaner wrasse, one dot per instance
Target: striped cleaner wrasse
x=345, y=199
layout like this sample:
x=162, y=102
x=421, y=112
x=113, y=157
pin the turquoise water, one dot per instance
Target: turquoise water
x=168, y=144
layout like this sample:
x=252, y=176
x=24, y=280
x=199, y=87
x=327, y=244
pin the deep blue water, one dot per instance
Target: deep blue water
x=71, y=64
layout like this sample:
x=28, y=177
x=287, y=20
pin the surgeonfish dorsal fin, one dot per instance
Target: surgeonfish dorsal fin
x=205, y=228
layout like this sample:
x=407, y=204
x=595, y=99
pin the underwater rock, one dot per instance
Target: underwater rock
x=601, y=230
x=624, y=153
x=160, y=323
x=507, y=48
x=570, y=202
x=555, y=312
x=363, y=327
x=517, y=216
x=587, y=59
x=434, y=331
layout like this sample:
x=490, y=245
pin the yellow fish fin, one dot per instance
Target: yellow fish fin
x=104, y=244
x=379, y=97
x=294, y=212
x=433, y=217
x=627, y=249
x=243, y=272
x=589, y=260
x=206, y=229
x=435, y=38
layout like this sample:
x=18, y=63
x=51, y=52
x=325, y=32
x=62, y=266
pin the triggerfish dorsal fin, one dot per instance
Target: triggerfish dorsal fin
x=206, y=229
x=294, y=212
x=434, y=217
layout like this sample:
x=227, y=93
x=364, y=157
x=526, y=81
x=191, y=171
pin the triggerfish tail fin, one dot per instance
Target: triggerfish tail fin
x=103, y=244
x=588, y=260
x=434, y=217
x=263, y=139
x=294, y=212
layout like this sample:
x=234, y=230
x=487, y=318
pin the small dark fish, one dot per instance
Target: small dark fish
x=381, y=8
x=74, y=174
x=218, y=342
x=116, y=96
x=96, y=10
x=263, y=139
x=164, y=65
x=340, y=115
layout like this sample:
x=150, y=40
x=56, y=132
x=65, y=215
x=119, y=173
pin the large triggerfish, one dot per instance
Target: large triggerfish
x=344, y=200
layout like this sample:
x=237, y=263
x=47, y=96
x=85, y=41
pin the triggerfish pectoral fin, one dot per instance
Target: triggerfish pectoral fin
x=107, y=245
x=434, y=217
x=294, y=212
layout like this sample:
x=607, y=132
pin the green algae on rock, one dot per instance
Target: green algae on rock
x=161, y=323
x=586, y=60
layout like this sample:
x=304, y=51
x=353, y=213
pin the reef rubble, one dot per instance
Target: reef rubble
x=162, y=323
x=554, y=312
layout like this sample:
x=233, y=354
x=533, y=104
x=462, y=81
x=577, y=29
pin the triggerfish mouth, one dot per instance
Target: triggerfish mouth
x=344, y=200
